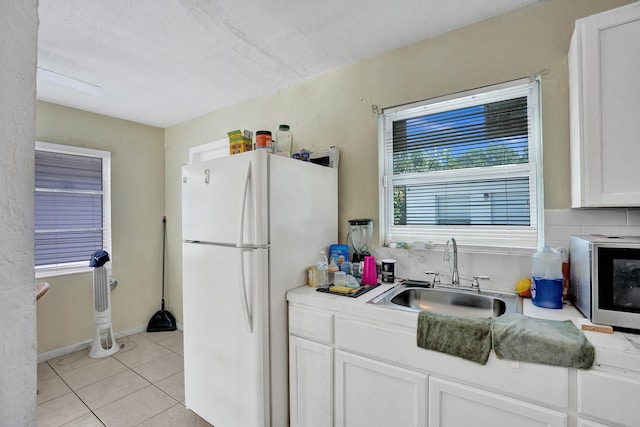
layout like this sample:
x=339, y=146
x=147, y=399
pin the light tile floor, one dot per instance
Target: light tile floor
x=141, y=385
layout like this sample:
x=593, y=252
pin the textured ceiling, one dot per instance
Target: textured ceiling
x=162, y=62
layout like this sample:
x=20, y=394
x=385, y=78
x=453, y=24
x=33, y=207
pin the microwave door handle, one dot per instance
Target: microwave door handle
x=243, y=287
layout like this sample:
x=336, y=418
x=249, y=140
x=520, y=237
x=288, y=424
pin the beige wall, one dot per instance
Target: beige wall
x=335, y=108
x=65, y=313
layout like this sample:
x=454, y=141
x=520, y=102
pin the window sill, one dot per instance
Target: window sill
x=60, y=271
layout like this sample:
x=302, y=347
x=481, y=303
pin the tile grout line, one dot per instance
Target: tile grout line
x=79, y=398
x=163, y=411
x=120, y=398
x=121, y=344
x=111, y=376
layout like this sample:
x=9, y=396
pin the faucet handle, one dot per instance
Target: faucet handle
x=476, y=283
x=436, y=277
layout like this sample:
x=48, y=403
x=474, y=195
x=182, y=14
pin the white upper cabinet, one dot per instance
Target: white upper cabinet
x=604, y=87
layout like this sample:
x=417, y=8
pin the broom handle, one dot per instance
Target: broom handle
x=164, y=239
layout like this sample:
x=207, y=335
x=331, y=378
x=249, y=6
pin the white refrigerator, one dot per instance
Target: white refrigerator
x=251, y=225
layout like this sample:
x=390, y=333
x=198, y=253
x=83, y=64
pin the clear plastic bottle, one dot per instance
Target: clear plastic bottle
x=546, y=272
x=333, y=267
x=323, y=270
x=284, y=141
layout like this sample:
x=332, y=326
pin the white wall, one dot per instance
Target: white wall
x=18, y=33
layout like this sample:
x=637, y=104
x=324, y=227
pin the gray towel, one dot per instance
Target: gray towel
x=466, y=337
x=552, y=342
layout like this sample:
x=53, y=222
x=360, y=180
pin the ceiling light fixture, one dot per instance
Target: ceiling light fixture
x=63, y=80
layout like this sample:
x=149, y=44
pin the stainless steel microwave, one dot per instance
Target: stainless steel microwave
x=605, y=279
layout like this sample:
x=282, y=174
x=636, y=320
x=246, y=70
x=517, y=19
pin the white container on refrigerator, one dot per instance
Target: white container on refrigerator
x=252, y=223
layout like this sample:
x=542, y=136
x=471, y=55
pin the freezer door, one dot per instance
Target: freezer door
x=226, y=355
x=225, y=200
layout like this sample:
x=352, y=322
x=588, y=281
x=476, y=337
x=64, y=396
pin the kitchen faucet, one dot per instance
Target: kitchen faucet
x=455, y=277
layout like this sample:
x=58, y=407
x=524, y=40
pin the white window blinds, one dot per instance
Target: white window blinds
x=465, y=165
x=71, y=207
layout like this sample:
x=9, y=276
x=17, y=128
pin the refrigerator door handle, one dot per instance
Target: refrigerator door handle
x=243, y=292
x=243, y=207
x=243, y=286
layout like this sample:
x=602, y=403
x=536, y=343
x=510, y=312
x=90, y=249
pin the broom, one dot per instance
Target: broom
x=162, y=320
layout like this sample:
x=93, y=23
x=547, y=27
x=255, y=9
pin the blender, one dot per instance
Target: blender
x=359, y=237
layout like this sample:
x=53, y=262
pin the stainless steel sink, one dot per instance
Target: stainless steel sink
x=450, y=300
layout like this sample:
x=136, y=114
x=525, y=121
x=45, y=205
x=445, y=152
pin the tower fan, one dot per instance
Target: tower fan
x=104, y=344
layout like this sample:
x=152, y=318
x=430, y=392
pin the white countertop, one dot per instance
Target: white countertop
x=617, y=350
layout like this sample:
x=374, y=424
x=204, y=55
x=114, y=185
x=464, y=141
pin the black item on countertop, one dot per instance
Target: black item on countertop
x=359, y=237
x=162, y=320
x=363, y=290
x=323, y=161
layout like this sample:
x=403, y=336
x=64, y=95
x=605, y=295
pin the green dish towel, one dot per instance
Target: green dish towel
x=552, y=342
x=466, y=337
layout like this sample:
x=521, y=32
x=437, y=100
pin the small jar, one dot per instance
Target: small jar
x=284, y=141
x=263, y=140
x=312, y=276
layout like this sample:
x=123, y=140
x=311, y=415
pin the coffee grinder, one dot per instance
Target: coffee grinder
x=359, y=237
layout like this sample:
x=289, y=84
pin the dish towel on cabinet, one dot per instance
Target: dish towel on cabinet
x=466, y=337
x=552, y=342
x=512, y=337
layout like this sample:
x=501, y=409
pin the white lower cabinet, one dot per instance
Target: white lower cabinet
x=595, y=391
x=310, y=383
x=588, y=423
x=346, y=371
x=371, y=393
x=454, y=405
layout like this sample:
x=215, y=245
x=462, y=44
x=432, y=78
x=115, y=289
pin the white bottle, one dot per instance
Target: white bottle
x=333, y=267
x=323, y=270
x=546, y=272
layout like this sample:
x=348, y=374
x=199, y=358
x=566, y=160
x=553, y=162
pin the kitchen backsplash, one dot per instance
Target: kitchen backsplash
x=560, y=224
x=505, y=270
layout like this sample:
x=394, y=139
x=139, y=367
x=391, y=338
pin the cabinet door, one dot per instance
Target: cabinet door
x=595, y=397
x=310, y=383
x=371, y=393
x=455, y=405
x=604, y=69
x=582, y=422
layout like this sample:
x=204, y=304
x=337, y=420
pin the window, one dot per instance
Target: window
x=72, y=207
x=465, y=165
x=208, y=151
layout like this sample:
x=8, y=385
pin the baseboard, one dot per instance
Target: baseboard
x=43, y=357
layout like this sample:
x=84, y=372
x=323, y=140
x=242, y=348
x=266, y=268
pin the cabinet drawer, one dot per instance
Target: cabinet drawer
x=311, y=324
x=453, y=404
x=595, y=391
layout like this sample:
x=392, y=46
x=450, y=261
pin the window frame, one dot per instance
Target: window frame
x=479, y=96
x=52, y=270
